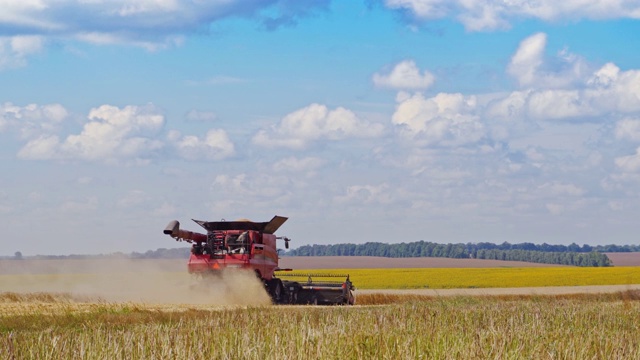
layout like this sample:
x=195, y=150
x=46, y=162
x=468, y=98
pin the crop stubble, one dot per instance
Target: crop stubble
x=540, y=327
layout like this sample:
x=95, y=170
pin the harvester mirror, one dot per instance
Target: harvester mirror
x=286, y=241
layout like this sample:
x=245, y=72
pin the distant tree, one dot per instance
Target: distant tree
x=17, y=255
x=545, y=253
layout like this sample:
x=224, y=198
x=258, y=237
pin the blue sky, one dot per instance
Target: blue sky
x=387, y=120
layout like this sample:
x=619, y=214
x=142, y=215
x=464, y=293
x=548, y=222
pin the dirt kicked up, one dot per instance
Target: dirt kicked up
x=135, y=281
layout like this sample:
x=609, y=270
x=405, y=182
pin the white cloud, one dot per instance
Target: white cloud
x=630, y=163
x=315, y=122
x=528, y=58
x=571, y=92
x=101, y=38
x=605, y=76
x=529, y=68
x=558, y=104
x=16, y=12
x=133, y=198
x=25, y=45
x=151, y=24
x=111, y=134
x=510, y=107
x=628, y=129
x=560, y=189
x=31, y=120
x=404, y=75
x=247, y=190
x=35, y=197
x=613, y=90
x=296, y=165
x=556, y=209
x=44, y=147
x=165, y=210
x=84, y=180
x=498, y=14
x=15, y=50
x=215, y=145
x=429, y=9
x=365, y=194
x=82, y=206
x=446, y=119
x=129, y=8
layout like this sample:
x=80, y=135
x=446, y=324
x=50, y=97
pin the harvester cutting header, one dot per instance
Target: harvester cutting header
x=248, y=245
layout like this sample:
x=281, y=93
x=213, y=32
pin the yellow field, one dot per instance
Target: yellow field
x=121, y=286
x=442, y=278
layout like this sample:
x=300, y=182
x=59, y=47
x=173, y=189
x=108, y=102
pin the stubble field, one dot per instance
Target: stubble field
x=157, y=312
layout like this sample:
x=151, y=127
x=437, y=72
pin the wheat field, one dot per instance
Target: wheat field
x=59, y=326
x=166, y=315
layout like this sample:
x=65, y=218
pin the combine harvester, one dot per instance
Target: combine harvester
x=251, y=246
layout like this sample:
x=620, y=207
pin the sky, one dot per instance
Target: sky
x=364, y=120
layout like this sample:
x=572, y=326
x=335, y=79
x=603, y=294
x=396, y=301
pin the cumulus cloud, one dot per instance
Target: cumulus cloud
x=15, y=50
x=147, y=23
x=31, y=120
x=499, y=14
x=526, y=61
x=570, y=91
x=630, y=163
x=315, y=122
x=215, y=145
x=561, y=109
x=628, y=129
x=445, y=119
x=111, y=134
x=404, y=75
x=613, y=90
x=558, y=104
x=530, y=69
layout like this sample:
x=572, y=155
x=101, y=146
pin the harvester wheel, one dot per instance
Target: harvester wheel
x=275, y=290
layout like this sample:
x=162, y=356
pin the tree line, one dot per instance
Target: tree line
x=585, y=255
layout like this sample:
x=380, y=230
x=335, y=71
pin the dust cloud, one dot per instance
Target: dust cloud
x=146, y=281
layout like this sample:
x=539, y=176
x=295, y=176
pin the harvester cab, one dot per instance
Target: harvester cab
x=248, y=245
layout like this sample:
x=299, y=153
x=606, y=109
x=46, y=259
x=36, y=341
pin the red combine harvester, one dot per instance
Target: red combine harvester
x=251, y=246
